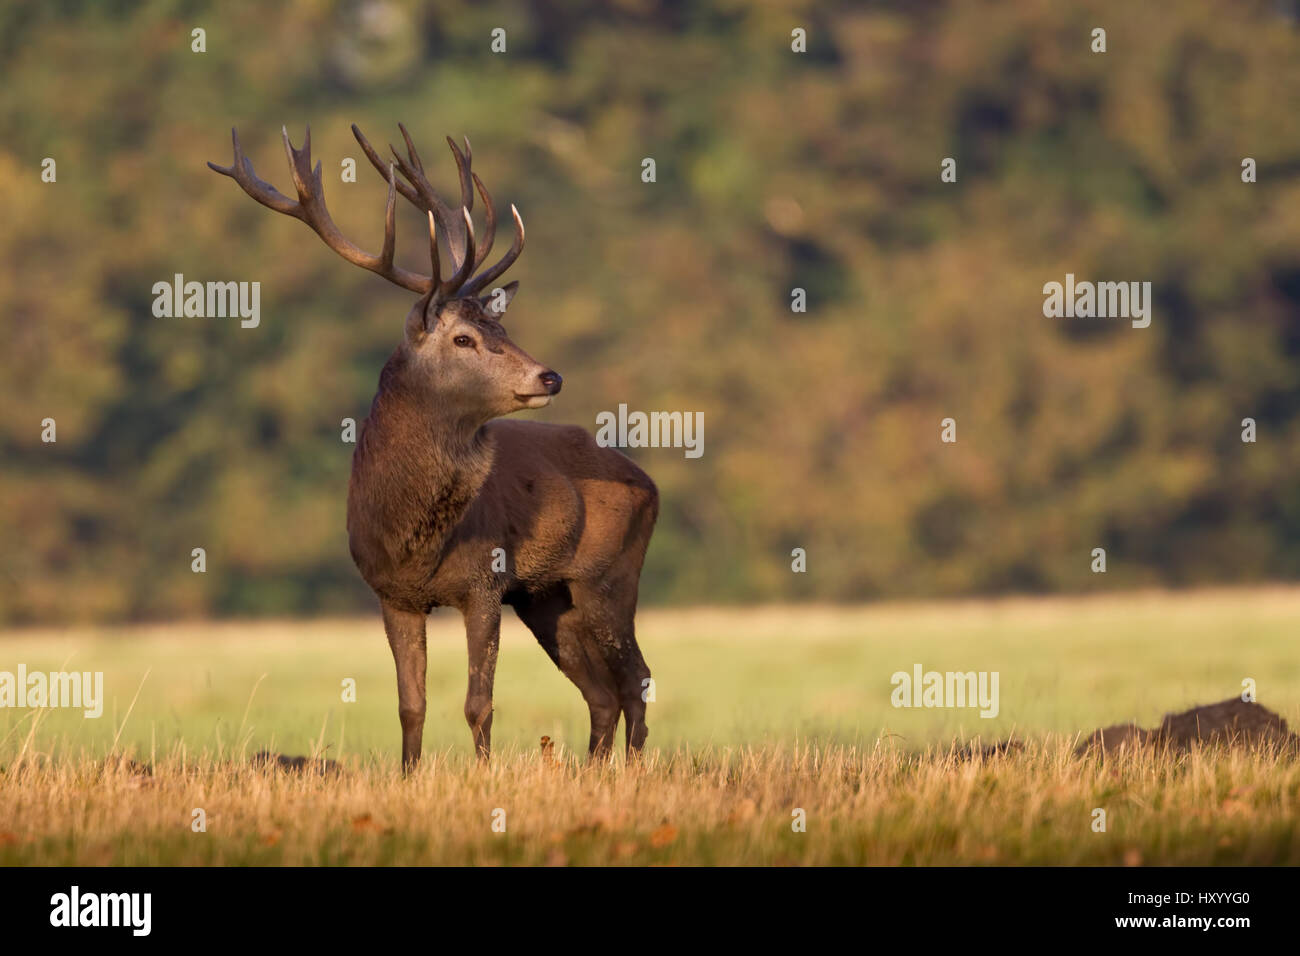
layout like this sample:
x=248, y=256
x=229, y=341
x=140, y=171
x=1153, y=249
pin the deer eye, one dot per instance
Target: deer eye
x=464, y=341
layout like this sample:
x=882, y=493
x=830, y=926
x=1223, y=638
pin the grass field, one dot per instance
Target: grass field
x=758, y=713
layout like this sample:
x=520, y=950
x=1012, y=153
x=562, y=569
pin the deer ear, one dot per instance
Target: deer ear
x=423, y=314
x=498, y=300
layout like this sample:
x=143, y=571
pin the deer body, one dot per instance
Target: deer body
x=422, y=541
x=440, y=481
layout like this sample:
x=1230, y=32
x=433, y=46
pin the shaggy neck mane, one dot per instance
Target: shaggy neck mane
x=421, y=463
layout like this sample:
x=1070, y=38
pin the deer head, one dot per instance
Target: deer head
x=455, y=351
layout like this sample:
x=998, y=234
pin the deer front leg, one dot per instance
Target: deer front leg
x=405, y=630
x=483, y=635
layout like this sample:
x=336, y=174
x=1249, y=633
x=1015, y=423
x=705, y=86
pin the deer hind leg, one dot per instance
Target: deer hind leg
x=405, y=630
x=634, y=682
x=609, y=613
x=565, y=633
x=582, y=664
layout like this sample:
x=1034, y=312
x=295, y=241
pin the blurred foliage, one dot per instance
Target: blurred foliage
x=775, y=170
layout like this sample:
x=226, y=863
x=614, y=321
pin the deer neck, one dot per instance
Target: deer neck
x=419, y=464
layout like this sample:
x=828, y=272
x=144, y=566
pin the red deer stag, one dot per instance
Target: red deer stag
x=440, y=480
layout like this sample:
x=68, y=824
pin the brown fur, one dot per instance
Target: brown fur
x=435, y=488
x=437, y=484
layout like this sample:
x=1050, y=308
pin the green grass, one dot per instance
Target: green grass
x=757, y=711
x=756, y=677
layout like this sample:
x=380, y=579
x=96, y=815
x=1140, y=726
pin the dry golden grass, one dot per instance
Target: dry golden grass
x=759, y=712
x=729, y=806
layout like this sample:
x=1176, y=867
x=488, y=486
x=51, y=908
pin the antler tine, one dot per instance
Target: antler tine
x=407, y=191
x=477, y=284
x=417, y=190
x=490, y=214
x=413, y=169
x=429, y=200
x=311, y=209
x=299, y=164
x=410, y=149
x=453, y=284
x=426, y=198
x=463, y=170
x=433, y=250
x=241, y=171
x=390, y=223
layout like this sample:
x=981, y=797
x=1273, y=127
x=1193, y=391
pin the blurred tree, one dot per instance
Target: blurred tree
x=776, y=170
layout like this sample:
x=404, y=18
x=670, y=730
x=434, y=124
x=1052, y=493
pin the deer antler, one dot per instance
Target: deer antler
x=310, y=208
x=459, y=230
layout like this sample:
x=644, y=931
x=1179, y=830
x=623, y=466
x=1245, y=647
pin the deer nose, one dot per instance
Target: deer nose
x=552, y=382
